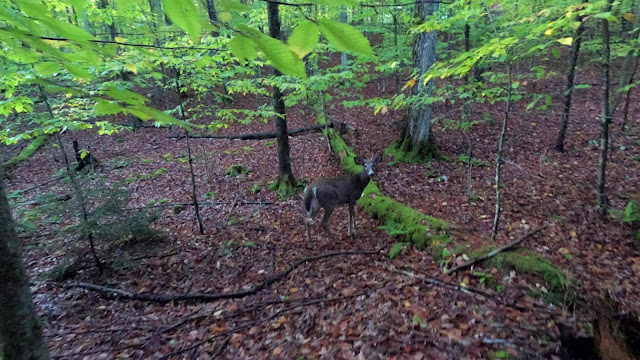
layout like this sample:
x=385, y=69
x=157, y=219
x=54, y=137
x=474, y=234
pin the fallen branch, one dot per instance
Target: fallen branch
x=495, y=252
x=206, y=297
x=332, y=119
x=64, y=197
x=40, y=185
x=253, y=136
x=433, y=281
x=202, y=203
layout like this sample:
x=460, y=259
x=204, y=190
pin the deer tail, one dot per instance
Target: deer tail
x=309, y=199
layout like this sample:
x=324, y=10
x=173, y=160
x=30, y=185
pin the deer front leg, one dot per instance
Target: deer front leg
x=352, y=220
x=325, y=221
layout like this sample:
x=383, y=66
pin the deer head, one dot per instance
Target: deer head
x=329, y=193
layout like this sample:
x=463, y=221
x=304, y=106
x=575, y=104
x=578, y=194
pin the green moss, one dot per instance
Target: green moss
x=529, y=263
x=285, y=189
x=404, y=152
x=236, y=170
x=27, y=152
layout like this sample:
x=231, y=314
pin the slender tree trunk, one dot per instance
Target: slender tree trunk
x=111, y=28
x=467, y=46
x=601, y=197
x=285, y=174
x=499, y=160
x=571, y=74
x=397, y=49
x=213, y=15
x=76, y=187
x=625, y=73
x=20, y=332
x=625, y=112
x=417, y=137
x=343, y=19
x=194, y=196
x=156, y=9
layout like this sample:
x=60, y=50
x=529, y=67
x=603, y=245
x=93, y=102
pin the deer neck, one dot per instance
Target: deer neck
x=362, y=179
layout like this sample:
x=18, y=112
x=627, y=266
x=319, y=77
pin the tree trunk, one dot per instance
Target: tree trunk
x=213, y=15
x=601, y=197
x=343, y=19
x=20, y=333
x=156, y=9
x=499, y=160
x=418, y=137
x=571, y=74
x=625, y=112
x=625, y=73
x=285, y=175
x=111, y=28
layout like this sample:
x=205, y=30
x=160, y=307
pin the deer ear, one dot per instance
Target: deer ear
x=377, y=159
x=358, y=160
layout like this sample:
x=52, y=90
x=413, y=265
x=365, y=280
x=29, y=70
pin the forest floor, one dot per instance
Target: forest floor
x=348, y=305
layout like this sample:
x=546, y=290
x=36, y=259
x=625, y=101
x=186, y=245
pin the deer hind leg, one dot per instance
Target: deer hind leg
x=311, y=207
x=325, y=220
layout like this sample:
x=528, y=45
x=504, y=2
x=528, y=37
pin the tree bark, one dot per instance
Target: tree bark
x=625, y=112
x=20, y=332
x=213, y=15
x=343, y=19
x=571, y=74
x=111, y=28
x=499, y=160
x=285, y=174
x=156, y=9
x=601, y=197
x=418, y=134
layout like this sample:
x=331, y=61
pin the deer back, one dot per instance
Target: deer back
x=341, y=190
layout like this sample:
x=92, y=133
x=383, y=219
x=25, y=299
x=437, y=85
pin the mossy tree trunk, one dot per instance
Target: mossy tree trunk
x=418, y=138
x=20, y=333
x=286, y=181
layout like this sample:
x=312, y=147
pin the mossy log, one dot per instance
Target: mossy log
x=27, y=152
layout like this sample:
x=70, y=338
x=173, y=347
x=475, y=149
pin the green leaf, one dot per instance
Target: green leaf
x=281, y=57
x=345, y=37
x=304, y=38
x=107, y=108
x=77, y=71
x=606, y=15
x=66, y=30
x=395, y=249
x=184, y=14
x=234, y=6
x=47, y=68
x=336, y=2
x=582, y=86
x=242, y=48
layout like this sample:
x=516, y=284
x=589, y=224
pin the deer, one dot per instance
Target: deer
x=329, y=193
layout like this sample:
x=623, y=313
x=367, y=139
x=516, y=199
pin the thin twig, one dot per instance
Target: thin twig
x=207, y=297
x=495, y=252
